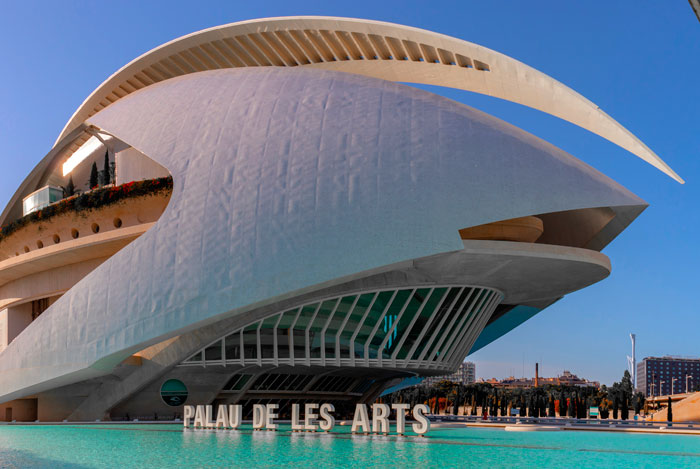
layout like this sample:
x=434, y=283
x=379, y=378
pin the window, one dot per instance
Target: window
x=173, y=392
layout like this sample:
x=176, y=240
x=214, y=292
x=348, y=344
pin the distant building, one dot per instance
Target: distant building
x=656, y=375
x=465, y=374
x=567, y=378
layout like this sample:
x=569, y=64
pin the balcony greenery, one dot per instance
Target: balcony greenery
x=94, y=199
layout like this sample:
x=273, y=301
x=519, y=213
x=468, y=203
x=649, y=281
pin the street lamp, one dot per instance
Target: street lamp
x=686, y=383
x=661, y=387
x=673, y=380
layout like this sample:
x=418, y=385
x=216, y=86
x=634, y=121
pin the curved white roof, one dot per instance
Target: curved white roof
x=372, y=48
x=288, y=181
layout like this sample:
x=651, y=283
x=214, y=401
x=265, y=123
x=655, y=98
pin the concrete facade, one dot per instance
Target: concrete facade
x=328, y=234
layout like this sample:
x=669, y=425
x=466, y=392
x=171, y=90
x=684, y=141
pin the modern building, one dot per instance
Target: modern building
x=281, y=219
x=567, y=378
x=465, y=374
x=661, y=376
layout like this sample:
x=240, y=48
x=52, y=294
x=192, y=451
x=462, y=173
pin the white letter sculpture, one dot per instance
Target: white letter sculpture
x=400, y=417
x=360, y=419
x=328, y=421
x=235, y=414
x=271, y=415
x=310, y=417
x=258, y=416
x=380, y=418
x=296, y=423
x=189, y=413
x=423, y=424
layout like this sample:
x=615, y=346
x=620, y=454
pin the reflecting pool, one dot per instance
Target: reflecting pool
x=156, y=446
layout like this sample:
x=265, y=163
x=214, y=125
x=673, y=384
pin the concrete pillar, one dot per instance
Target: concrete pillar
x=13, y=320
x=3, y=330
x=18, y=318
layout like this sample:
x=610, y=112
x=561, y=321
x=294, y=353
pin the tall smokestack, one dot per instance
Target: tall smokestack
x=537, y=375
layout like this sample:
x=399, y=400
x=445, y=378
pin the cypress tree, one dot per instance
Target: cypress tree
x=93, y=176
x=552, y=412
x=624, y=408
x=106, y=172
x=669, y=411
x=455, y=406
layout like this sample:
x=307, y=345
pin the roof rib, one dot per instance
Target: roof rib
x=372, y=48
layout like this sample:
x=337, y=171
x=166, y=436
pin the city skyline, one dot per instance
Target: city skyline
x=587, y=332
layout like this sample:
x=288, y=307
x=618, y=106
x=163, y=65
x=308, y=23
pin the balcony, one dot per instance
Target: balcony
x=88, y=226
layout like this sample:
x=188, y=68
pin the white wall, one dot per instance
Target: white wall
x=3, y=329
x=132, y=165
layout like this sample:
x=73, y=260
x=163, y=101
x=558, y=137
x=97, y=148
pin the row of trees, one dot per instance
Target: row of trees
x=545, y=401
x=104, y=177
x=97, y=178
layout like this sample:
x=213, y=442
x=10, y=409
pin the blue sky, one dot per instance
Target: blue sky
x=638, y=60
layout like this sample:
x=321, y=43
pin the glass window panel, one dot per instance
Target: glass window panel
x=233, y=346
x=232, y=382
x=276, y=384
x=241, y=383
x=213, y=352
x=307, y=312
x=283, y=333
x=409, y=313
x=270, y=322
x=299, y=338
x=444, y=310
x=375, y=313
x=299, y=332
x=195, y=358
x=250, y=342
x=448, y=325
x=355, y=316
x=363, y=386
x=284, y=384
x=317, y=327
x=287, y=319
x=261, y=383
x=341, y=312
x=386, y=323
x=480, y=302
x=267, y=343
x=421, y=322
x=466, y=315
x=292, y=384
x=300, y=384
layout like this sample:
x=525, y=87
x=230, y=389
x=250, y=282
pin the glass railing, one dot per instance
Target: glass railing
x=41, y=198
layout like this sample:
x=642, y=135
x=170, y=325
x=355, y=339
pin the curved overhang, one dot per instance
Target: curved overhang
x=372, y=48
x=278, y=192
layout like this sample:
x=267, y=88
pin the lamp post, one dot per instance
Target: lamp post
x=686, y=383
x=673, y=380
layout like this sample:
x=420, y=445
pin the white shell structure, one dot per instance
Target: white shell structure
x=321, y=223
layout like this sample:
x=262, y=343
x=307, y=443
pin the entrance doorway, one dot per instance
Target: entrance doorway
x=8, y=414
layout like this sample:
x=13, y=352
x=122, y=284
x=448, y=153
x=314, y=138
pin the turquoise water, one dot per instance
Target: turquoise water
x=155, y=446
